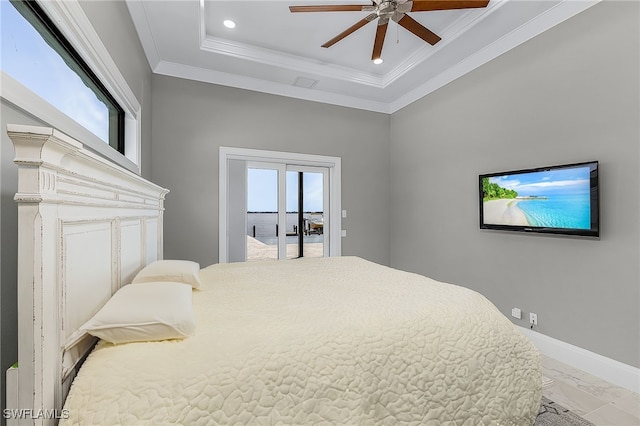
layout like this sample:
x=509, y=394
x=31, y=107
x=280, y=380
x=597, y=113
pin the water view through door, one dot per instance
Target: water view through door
x=299, y=231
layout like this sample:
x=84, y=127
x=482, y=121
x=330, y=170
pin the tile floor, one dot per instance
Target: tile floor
x=596, y=400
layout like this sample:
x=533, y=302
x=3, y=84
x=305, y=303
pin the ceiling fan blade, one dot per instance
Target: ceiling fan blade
x=379, y=41
x=427, y=5
x=418, y=29
x=361, y=23
x=329, y=8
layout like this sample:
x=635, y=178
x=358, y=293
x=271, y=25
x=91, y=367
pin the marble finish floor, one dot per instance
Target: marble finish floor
x=592, y=398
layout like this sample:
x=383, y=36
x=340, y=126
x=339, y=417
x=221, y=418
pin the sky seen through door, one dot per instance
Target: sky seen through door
x=263, y=189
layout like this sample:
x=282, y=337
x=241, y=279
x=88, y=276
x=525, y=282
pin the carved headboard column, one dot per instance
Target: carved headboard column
x=85, y=227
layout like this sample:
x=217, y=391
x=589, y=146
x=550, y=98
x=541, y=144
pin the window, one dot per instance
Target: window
x=36, y=54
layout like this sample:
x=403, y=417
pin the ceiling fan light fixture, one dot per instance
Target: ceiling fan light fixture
x=395, y=10
x=229, y=23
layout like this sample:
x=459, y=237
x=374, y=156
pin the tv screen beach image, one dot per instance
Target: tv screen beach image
x=551, y=198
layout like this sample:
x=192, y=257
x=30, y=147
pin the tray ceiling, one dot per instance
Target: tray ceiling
x=275, y=51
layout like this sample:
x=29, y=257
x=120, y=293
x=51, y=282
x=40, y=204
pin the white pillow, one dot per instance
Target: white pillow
x=143, y=313
x=182, y=271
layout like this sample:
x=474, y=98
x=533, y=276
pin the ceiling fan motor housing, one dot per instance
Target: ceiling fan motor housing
x=386, y=9
x=392, y=9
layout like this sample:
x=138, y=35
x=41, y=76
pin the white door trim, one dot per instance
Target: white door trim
x=335, y=196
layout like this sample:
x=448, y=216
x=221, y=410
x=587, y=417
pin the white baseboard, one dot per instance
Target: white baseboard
x=612, y=371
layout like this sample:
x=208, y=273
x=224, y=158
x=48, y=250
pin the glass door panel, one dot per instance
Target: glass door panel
x=313, y=245
x=262, y=213
x=306, y=204
x=285, y=214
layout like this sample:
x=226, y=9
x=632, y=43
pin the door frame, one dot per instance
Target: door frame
x=288, y=158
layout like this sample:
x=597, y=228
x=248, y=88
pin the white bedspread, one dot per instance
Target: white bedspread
x=319, y=341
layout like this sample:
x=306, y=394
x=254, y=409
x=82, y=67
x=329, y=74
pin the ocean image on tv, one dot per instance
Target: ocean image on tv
x=554, y=198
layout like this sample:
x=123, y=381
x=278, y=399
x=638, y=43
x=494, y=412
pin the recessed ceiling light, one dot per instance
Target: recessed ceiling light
x=378, y=61
x=229, y=23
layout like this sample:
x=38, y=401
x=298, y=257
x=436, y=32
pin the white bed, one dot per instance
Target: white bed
x=307, y=341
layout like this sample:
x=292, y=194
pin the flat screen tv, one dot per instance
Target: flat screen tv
x=555, y=200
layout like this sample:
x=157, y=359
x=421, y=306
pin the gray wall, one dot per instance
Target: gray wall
x=191, y=120
x=127, y=52
x=571, y=94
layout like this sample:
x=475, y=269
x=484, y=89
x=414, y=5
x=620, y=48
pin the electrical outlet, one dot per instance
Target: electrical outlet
x=533, y=319
x=516, y=313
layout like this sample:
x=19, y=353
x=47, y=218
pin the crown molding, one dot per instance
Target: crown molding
x=562, y=11
x=143, y=28
x=541, y=23
x=278, y=59
x=287, y=61
x=449, y=34
x=218, y=45
x=173, y=69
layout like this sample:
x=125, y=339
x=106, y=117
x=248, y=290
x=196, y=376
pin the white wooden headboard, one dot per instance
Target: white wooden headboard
x=85, y=227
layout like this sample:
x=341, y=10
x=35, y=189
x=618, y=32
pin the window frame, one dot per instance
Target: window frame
x=74, y=25
x=31, y=11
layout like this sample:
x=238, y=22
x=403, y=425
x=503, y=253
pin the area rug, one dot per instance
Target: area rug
x=552, y=414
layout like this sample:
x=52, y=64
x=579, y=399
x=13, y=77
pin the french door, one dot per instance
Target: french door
x=278, y=205
x=285, y=214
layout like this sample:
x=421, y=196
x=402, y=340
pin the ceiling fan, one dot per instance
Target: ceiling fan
x=396, y=10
